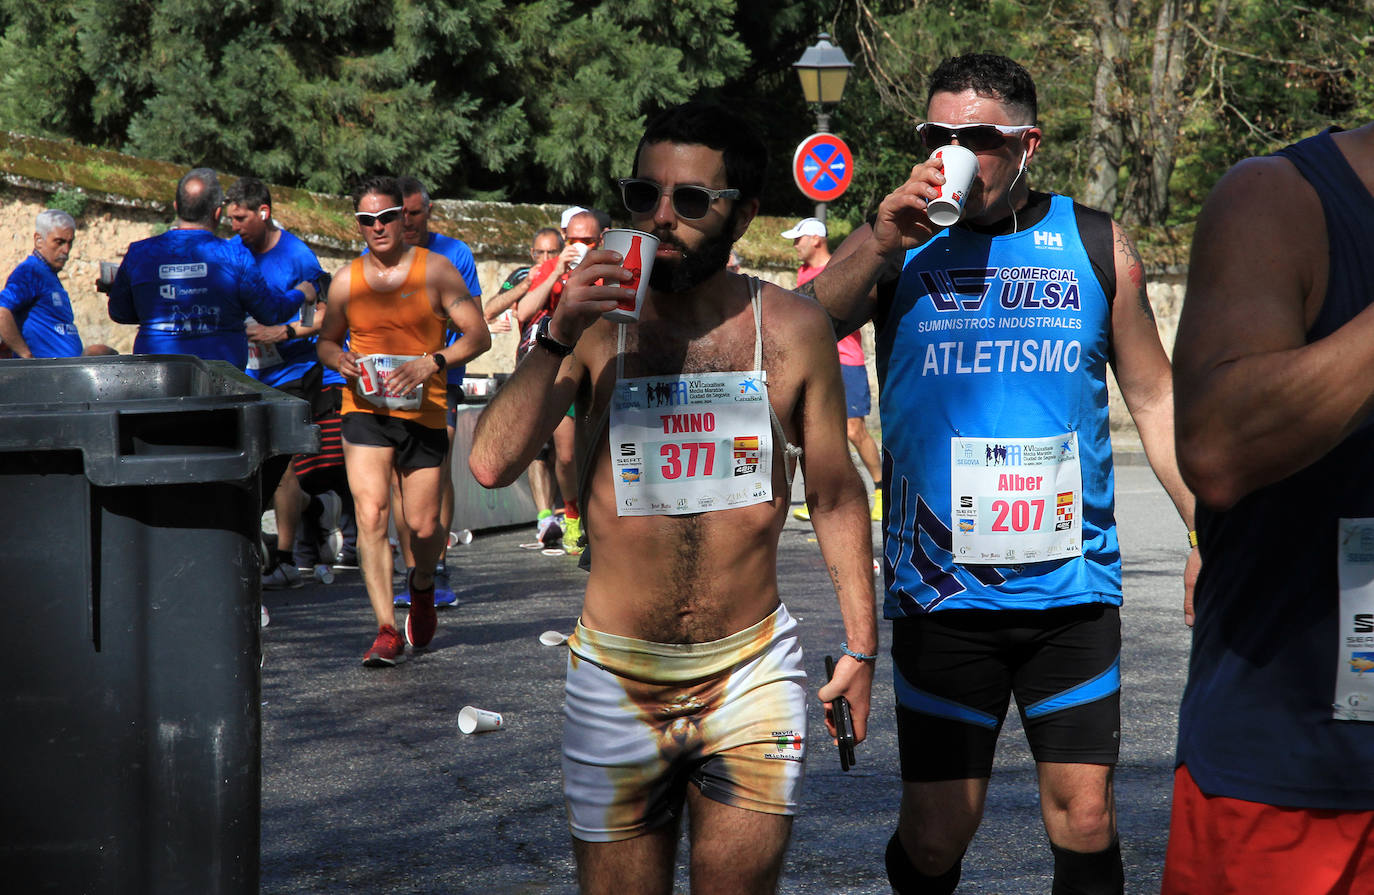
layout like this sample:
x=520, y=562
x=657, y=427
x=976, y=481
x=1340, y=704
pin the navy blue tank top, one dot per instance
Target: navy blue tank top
x=1256, y=721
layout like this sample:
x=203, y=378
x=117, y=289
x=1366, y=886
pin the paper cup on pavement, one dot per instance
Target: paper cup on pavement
x=961, y=166
x=553, y=638
x=475, y=720
x=637, y=248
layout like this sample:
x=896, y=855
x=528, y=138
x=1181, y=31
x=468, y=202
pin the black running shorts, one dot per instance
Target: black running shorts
x=955, y=671
x=416, y=446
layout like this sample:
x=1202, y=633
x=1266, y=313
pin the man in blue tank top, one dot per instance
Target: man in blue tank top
x=36, y=317
x=190, y=291
x=1000, y=556
x=1274, y=789
x=282, y=356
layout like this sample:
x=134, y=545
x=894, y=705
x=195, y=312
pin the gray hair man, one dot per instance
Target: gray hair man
x=36, y=317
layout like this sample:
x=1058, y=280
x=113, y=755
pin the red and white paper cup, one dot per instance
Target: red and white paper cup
x=637, y=248
x=368, y=383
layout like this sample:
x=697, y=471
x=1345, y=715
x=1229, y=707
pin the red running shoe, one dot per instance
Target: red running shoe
x=422, y=620
x=386, y=650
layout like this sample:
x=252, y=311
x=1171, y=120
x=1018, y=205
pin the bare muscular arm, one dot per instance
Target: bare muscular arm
x=1255, y=402
x=838, y=502
x=1145, y=377
x=846, y=287
x=11, y=336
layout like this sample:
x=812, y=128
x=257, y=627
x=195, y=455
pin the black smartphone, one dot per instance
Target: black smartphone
x=842, y=719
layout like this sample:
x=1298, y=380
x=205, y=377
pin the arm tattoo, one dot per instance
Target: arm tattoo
x=808, y=289
x=1136, y=270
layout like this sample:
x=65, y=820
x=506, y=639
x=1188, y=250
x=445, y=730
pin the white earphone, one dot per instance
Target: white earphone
x=263, y=215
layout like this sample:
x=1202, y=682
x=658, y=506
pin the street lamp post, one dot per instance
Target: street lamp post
x=822, y=70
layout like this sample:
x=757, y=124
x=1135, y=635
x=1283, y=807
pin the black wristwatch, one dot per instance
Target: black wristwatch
x=290, y=332
x=548, y=342
x=440, y=360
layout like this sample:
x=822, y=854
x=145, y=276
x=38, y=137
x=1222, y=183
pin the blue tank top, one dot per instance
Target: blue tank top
x=989, y=337
x=1256, y=720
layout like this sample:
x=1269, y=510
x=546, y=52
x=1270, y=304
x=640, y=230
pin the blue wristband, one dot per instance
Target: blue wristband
x=844, y=648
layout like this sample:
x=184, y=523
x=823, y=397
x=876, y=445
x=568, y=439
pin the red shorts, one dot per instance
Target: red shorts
x=1219, y=845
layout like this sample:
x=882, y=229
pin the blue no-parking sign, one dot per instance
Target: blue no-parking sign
x=823, y=167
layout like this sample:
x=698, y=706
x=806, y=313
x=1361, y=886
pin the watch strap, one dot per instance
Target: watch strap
x=548, y=342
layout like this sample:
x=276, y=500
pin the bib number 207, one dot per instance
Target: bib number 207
x=1018, y=512
x=700, y=459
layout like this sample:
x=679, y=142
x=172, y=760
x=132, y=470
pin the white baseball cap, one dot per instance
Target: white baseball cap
x=569, y=214
x=806, y=227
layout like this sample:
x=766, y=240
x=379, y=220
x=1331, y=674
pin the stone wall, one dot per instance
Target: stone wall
x=105, y=231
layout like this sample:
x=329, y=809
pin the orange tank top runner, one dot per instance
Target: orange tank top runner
x=399, y=321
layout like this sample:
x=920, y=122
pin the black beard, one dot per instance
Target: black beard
x=694, y=267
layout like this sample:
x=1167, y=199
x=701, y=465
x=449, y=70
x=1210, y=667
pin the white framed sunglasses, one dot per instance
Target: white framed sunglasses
x=385, y=216
x=977, y=136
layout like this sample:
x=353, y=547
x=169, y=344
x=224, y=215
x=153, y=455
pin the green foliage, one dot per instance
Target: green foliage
x=73, y=202
x=544, y=100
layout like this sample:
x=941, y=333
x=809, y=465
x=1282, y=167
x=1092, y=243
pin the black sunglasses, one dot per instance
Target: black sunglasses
x=689, y=202
x=386, y=216
x=977, y=137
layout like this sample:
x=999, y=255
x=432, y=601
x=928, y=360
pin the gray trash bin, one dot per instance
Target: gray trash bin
x=130, y=696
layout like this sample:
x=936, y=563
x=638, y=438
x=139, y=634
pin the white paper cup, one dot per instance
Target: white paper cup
x=553, y=638
x=475, y=720
x=961, y=166
x=108, y=269
x=581, y=250
x=637, y=248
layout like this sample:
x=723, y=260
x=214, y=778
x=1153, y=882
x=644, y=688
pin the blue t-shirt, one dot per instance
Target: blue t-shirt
x=191, y=292
x=42, y=309
x=1000, y=338
x=458, y=252
x=284, y=265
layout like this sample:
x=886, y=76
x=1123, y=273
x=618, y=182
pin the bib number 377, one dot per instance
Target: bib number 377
x=687, y=460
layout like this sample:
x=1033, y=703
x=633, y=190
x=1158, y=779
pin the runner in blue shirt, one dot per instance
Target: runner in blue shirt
x=282, y=356
x=190, y=291
x=284, y=353
x=36, y=317
x=1000, y=555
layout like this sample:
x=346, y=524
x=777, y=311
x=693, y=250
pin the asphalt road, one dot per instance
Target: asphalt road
x=368, y=785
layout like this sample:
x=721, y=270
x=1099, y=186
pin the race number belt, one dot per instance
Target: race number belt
x=263, y=355
x=693, y=443
x=1015, y=500
x=375, y=370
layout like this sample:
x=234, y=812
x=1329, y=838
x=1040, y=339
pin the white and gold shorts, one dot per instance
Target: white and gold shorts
x=643, y=719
